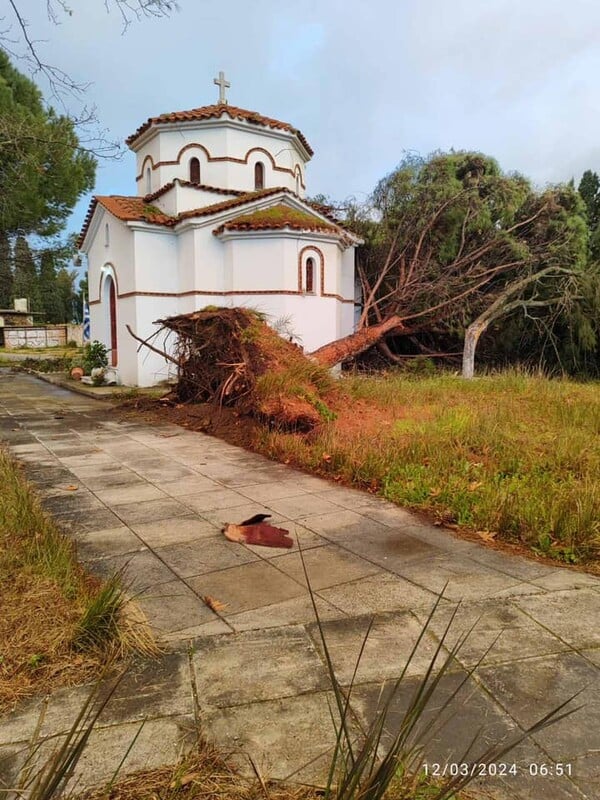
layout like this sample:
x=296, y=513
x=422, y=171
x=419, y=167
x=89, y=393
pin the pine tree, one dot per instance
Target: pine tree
x=6, y=275
x=26, y=279
x=52, y=304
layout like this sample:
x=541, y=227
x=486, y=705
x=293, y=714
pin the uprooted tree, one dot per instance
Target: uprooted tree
x=456, y=238
x=457, y=243
x=231, y=357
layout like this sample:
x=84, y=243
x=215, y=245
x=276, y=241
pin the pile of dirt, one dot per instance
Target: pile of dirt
x=231, y=358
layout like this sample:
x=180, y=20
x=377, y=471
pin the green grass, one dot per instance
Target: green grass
x=511, y=455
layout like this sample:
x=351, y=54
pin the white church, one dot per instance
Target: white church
x=218, y=219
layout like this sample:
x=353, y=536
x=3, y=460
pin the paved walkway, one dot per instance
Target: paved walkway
x=152, y=498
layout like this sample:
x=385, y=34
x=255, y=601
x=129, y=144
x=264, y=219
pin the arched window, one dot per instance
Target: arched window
x=106, y=235
x=194, y=170
x=148, y=180
x=259, y=175
x=298, y=183
x=309, y=276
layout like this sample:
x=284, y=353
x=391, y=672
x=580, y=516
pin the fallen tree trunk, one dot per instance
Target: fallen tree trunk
x=356, y=343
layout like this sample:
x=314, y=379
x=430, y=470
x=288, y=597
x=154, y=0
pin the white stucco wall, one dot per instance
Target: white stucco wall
x=227, y=153
x=115, y=258
x=186, y=198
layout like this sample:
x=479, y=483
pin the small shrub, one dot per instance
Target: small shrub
x=95, y=356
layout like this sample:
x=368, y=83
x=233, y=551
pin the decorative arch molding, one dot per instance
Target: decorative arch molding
x=109, y=293
x=184, y=149
x=107, y=269
x=230, y=159
x=147, y=159
x=307, y=252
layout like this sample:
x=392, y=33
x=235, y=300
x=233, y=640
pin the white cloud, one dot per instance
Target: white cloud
x=364, y=81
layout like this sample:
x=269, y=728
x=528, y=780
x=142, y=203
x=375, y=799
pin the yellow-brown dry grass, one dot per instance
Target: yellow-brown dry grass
x=45, y=598
x=204, y=774
x=37, y=624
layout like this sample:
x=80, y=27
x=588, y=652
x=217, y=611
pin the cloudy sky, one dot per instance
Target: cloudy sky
x=364, y=81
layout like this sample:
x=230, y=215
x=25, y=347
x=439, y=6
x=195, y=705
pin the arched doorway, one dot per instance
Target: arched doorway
x=110, y=300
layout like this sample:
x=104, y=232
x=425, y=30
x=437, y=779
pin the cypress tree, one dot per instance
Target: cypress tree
x=26, y=279
x=52, y=304
x=6, y=275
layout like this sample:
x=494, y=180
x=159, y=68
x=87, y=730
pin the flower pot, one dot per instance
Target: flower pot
x=77, y=373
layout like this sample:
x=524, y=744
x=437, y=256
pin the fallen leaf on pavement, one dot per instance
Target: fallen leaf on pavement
x=213, y=603
x=487, y=536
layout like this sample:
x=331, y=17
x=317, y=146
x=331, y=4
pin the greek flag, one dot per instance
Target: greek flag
x=86, y=322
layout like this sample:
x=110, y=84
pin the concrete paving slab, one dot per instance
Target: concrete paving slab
x=149, y=510
x=84, y=522
x=530, y=689
x=107, y=543
x=142, y=571
x=248, y=586
x=172, y=606
x=256, y=729
x=378, y=593
x=460, y=580
x=109, y=475
x=575, y=627
x=498, y=632
x=457, y=702
x=387, y=649
x=157, y=742
x=174, y=530
x=302, y=506
x=217, y=499
x=257, y=666
x=326, y=566
x=265, y=492
x=186, y=486
x=204, y=555
x=132, y=493
x=299, y=610
x=187, y=636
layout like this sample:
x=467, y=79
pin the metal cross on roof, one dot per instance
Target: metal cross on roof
x=222, y=84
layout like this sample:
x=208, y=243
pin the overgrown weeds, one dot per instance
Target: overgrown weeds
x=512, y=456
x=58, y=625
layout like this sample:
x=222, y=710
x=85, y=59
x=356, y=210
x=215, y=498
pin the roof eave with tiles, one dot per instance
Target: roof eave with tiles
x=216, y=112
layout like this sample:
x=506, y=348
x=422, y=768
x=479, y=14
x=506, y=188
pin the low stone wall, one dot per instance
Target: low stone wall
x=39, y=336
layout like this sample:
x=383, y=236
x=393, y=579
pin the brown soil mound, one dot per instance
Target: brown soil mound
x=231, y=357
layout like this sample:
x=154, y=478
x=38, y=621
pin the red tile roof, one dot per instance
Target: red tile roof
x=137, y=209
x=201, y=186
x=247, y=197
x=216, y=111
x=275, y=218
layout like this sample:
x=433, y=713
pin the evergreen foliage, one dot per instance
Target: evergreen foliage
x=26, y=278
x=52, y=302
x=43, y=170
x=438, y=225
x=6, y=275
